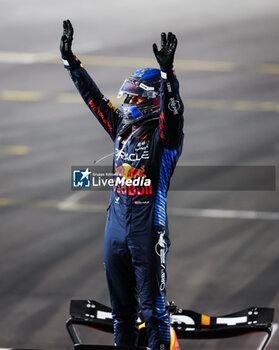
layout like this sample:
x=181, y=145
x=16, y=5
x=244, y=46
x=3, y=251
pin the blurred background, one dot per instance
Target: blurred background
x=224, y=253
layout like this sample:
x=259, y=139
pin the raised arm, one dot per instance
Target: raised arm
x=171, y=114
x=108, y=115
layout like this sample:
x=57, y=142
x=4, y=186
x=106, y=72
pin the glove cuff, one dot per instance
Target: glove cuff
x=167, y=72
x=69, y=60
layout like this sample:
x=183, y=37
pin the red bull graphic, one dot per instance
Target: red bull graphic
x=131, y=181
x=129, y=172
x=96, y=109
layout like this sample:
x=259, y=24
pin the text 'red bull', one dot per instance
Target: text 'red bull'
x=132, y=182
x=100, y=114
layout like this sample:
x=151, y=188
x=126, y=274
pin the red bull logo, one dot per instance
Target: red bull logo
x=132, y=180
x=129, y=172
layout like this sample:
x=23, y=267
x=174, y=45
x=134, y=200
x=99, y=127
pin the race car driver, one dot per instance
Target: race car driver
x=148, y=138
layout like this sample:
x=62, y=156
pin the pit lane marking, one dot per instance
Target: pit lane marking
x=14, y=150
x=118, y=61
x=70, y=98
x=21, y=95
x=72, y=203
x=5, y=202
x=242, y=105
x=224, y=213
x=263, y=106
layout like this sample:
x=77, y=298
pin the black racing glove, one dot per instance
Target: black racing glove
x=165, y=56
x=66, y=40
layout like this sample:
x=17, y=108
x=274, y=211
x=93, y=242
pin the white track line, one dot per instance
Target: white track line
x=119, y=61
x=72, y=202
x=224, y=213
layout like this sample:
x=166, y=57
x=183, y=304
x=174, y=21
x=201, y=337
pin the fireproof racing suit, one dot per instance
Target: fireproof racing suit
x=136, y=239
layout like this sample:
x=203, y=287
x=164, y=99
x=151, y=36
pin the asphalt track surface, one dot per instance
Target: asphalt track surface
x=224, y=253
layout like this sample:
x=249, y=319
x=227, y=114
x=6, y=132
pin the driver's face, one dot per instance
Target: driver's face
x=136, y=99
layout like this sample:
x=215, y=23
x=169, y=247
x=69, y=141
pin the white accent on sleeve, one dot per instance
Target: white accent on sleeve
x=164, y=75
x=66, y=63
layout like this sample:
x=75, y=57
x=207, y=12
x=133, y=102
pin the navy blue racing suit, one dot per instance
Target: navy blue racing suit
x=136, y=239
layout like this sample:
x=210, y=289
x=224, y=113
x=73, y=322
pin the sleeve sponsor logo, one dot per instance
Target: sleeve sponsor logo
x=169, y=87
x=161, y=249
x=111, y=106
x=162, y=125
x=100, y=114
x=174, y=105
